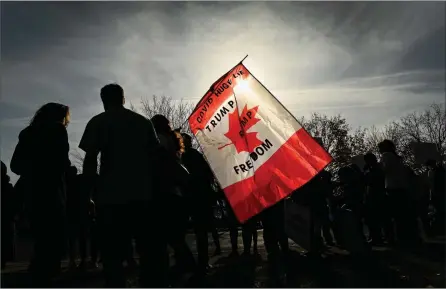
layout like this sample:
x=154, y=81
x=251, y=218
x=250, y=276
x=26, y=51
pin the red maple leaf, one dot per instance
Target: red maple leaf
x=239, y=125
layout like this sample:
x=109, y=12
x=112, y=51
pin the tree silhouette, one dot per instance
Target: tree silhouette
x=426, y=126
x=177, y=111
x=337, y=136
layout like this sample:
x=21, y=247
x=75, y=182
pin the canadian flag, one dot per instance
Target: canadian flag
x=258, y=151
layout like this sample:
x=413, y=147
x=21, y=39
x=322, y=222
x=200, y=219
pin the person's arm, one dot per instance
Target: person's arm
x=90, y=165
x=90, y=145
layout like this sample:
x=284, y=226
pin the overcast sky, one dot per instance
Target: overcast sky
x=370, y=61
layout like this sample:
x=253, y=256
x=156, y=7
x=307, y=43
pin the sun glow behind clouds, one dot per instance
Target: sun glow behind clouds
x=346, y=61
x=242, y=86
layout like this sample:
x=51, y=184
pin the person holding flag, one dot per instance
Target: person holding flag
x=201, y=198
x=256, y=148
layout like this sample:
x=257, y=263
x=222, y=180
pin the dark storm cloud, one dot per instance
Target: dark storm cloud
x=28, y=28
x=11, y=111
x=427, y=52
x=371, y=61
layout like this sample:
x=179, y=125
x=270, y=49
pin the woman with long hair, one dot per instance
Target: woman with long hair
x=171, y=187
x=41, y=160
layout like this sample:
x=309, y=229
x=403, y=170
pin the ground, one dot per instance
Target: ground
x=423, y=267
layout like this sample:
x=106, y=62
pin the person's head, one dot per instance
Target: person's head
x=50, y=113
x=370, y=159
x=187, y=139
x=345, y=174
x=161, y=124
x=386, y=146
x=112, y=96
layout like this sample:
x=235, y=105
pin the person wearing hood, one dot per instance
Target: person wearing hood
x=41, y=160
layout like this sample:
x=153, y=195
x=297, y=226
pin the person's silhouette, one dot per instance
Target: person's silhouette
x=273, y=220
x=249, y=234
x=201, y=198
x=128, y=145
x=399, y=185
x=41, y=160
x=78, y=204
x=172, y=185
x=8, y=213
x=326, y=190
x=232, y=224
x=437, y=184
x=93, y=229
x=347, y=212
x=377, y=216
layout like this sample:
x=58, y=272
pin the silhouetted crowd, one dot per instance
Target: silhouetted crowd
x=384, y=203
x=151, y=183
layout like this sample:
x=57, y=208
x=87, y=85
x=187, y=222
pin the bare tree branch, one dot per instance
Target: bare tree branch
x=334, y=132
x=338, y=138
x=427, y=126
x=177, y=111
x=133, y=108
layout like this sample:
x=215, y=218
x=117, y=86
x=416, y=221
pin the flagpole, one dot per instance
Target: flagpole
x=216, y=82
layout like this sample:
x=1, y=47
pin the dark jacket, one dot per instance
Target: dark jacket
x=201, y=178
x=41, y=160
x=375, y=185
